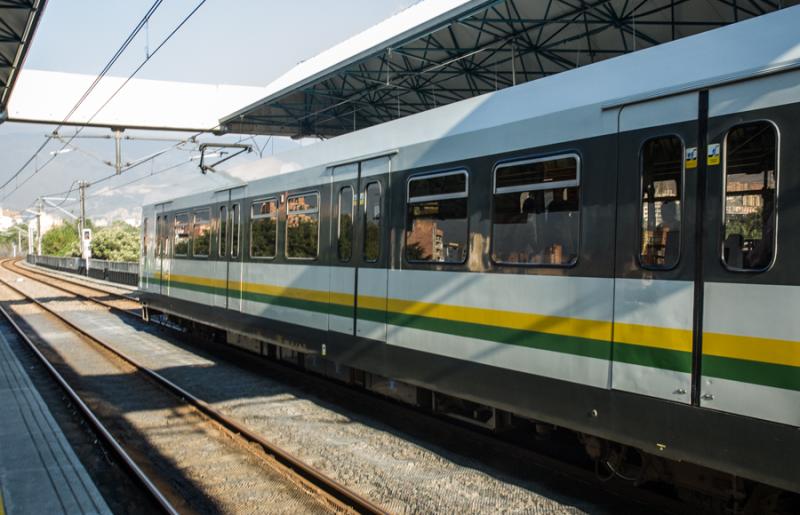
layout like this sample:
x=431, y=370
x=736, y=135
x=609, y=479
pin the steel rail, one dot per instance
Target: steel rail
x=69, y=277
x=98, y=426
x=296, y=465
x=31, y=274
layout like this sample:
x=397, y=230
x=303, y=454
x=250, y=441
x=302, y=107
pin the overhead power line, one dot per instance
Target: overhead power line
x=138, y=68
x=86, y=93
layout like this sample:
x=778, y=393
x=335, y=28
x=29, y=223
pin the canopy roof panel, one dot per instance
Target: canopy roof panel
x=18, y=21
x=441, y=51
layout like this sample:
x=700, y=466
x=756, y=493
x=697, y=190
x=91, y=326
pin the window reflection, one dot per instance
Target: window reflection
x=302, y=226
x=535, y=218
x=345, y=230
x=182, y=235
x=202, y=233
x=223, y=231
x=660, y=220
x=264, y=228
x=372, y=222
x=437, y=226
x=750, y=196
x=235, y=230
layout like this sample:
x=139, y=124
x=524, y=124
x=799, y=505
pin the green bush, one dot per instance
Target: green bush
x=117, y=242
x=61, y=240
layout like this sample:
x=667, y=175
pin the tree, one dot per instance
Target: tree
x=9, y=239
x=61, y=240
x=117, y=242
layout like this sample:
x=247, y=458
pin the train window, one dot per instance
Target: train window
x=372, y=222
x=535, y=218
x=436, y=228
x=302, y=226
x=751, y=179
x=235, y=230
x=144, y=238
x=223, y=231
x=264, y=228
x=345, y=228
x=166, y=245
x=182, y=235
x=162, y=237
x=660, y=214
x=201, y=233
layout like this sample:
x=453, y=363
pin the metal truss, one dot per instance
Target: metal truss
x=18, y=20
x=507, y=43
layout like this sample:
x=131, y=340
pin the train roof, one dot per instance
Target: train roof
x=562, y=107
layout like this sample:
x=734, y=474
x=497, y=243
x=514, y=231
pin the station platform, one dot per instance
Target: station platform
x=39, y=471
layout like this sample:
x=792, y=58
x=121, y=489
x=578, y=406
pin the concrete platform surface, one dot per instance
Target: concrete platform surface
x=39, y=471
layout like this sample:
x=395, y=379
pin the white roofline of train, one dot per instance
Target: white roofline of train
x=718, y=55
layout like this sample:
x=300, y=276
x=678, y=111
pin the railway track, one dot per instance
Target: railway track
x=238, y=452
x=116, y=302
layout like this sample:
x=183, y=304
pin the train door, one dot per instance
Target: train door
x=161, y=261
x=360, y=248
x=655, y=248
x=371, y=253
x=147, y=254
x=341, y=318
x=228, y=270
x=222, y=244
x=750, y=328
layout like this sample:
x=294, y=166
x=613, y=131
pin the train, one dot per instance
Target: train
x=610, y=251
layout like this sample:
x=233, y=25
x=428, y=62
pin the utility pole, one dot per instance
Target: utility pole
x=118, y=148
x=82, y=220
x=82, y=225
x=40, y=206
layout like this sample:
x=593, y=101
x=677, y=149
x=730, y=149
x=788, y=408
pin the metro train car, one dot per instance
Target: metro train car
x=610, y=250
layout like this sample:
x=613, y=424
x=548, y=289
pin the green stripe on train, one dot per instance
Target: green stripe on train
x=757, y=372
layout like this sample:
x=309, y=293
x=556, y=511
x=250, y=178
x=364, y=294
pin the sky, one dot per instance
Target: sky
x=245, y=42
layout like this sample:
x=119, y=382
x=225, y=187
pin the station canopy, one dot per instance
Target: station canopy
x=441, y=51
x=18, y=21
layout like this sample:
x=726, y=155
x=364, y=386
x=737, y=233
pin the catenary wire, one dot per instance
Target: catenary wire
x=130, y=77
x=88, y=91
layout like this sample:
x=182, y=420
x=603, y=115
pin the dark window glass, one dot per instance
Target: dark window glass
x=372, y=222
x=159, y=235
x=162, y=245
x=264, y=228
x=235, y=230
x=436, y=228
x=223, y=231
x=535, y=220
x=201, y=233
x=345, y=230
x=751, y=177
x=302, y=226
x=182, y=235
x=537, y=171
x=660, y=216
x=438, y=185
